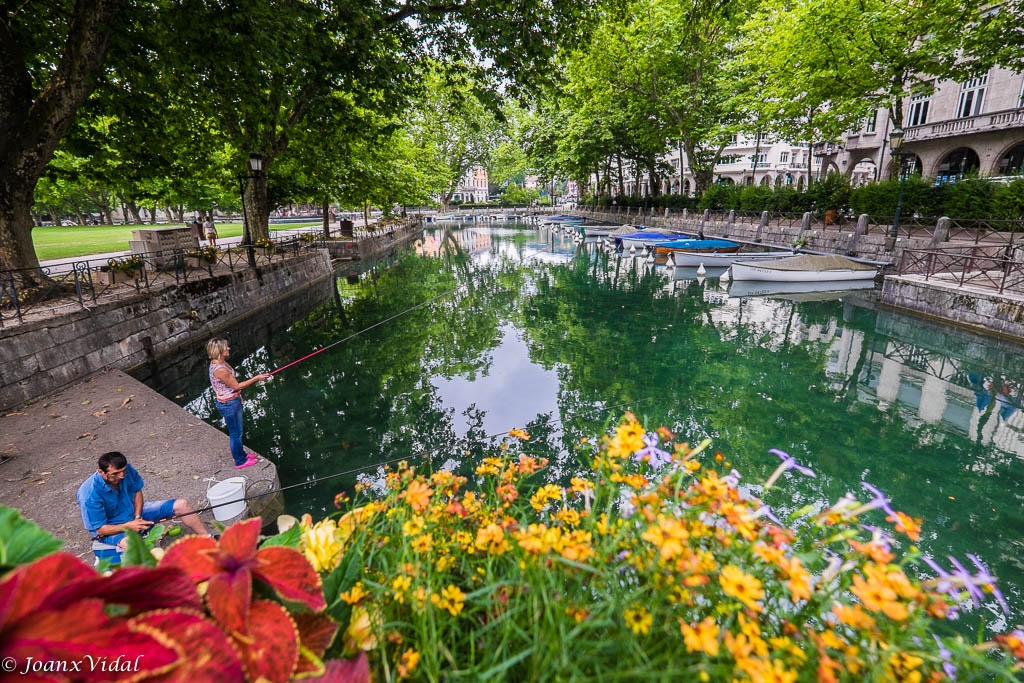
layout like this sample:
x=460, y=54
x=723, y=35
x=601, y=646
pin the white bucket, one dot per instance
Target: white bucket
x=229, y=498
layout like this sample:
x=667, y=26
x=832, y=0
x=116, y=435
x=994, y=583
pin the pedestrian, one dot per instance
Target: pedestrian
x=111, y=501
x=197, y=230
x=211, y=231
x=228, y=392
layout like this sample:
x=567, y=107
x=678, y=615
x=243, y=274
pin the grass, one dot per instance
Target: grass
x=65, y=242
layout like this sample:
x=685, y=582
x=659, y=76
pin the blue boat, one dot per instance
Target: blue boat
x=646, y=237
x=706, y=246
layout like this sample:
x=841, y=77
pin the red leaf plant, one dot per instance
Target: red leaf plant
x=56, y=611
x=273, y=646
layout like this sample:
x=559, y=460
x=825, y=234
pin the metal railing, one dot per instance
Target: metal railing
x=992, y=267
x=79, y=285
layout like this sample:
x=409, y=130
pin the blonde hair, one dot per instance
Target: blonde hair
x=216, y=347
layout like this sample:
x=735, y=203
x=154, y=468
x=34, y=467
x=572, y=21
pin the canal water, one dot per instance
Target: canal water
x=477, y=330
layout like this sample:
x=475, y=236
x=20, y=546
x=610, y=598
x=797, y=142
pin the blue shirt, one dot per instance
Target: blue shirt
x=102, y=504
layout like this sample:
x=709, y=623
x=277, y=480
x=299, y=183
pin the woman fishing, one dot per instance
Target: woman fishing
x=228, y=391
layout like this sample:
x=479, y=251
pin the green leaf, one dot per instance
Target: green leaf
x=289, y=538
x=137, y=551
x=22, y=541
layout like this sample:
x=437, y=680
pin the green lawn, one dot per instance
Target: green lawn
x=64, y=242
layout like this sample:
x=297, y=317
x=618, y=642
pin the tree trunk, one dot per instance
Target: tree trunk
x=257, y=203
x=132, y=214
x=325, y=209
x=32, y=122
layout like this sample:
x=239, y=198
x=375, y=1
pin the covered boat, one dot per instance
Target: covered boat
x=646, y=237
x=804, y=268
x=706, y=246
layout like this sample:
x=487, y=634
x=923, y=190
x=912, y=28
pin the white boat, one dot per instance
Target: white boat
x=798, y=291
x=683, y=258
x=803, y=268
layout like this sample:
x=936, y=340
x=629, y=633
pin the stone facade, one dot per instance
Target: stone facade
x=989, y=313
x=40, y=357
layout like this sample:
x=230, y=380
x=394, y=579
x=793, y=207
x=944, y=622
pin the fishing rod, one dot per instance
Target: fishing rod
x=422, y=454
x=367, y=329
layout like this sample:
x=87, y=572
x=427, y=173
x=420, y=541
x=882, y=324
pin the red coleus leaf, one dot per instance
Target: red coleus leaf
x=24, y=589
x=83, y=633
x=239, y=541
x=291, y=576
x=195, y=555
x=210, y=655
x=227, y=597
x=140, y=588
x=316, y=633
x=344, y=671
x=271, y=650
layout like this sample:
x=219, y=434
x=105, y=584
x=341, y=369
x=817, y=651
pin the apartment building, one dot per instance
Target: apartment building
x=973, y=127
x=473, y=187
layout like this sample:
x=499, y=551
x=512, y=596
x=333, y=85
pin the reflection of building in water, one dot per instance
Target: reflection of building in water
x=905, y=363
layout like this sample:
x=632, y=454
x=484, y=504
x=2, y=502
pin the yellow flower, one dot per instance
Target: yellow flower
x=400, y=584
x=544, y=494
x=519, y=434
x=452, y=599
x=702, y=637
x=417, y=495
x=741, y=586
x=444, y=563
x=355, y=594
x=669, y=535
x=359, y=635
x=638, y=619
x=853, y=615
x=492, y=539
x=422, y=544
x=321, y=546
x=410, y=658
x=413, y=527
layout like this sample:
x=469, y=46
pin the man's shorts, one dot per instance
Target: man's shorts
x=106, y=549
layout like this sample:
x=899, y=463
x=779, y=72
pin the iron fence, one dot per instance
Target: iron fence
x=994, y=267
x=82, y=284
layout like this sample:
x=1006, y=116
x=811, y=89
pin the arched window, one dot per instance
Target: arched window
x=1012, y=162
x=765, y=182
x=958, y=163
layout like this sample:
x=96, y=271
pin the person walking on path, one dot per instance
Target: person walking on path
x=228, y=392
x=211, y=231
x=111, y=501
x=197, y=230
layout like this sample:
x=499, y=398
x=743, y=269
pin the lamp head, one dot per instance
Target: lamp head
x=255, y=162
x=896, y=139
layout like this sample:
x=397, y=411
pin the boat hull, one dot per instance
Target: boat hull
x=803, y=291
x=697, y=246
x=719, y=260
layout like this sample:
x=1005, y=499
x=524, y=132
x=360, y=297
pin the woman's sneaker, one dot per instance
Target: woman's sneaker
x=252, y=460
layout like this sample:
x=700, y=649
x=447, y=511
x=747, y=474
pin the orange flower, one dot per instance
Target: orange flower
x=854, y=616
x=876, y=593
x=702, y=637
x=876, y=551
x=741, y=586
x=410, y=658
x=417, y=495
x=911, y=526
x=492, y=539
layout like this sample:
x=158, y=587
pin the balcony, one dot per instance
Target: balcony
x=982, y=123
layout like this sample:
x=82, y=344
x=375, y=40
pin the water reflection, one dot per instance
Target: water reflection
x=534, y=329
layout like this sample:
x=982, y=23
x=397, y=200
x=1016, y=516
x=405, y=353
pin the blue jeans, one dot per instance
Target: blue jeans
x=231, y=411
x=151, y=512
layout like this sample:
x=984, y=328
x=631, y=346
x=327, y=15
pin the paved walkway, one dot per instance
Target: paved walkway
x=48, y=449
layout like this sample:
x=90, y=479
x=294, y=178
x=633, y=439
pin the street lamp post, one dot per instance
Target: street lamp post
x=255, y=168
x=900, y=158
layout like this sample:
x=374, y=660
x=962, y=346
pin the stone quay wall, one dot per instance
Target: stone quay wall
x=40, y=357
x=989, y=313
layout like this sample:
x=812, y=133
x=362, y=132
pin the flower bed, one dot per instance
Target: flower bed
x=651, y=564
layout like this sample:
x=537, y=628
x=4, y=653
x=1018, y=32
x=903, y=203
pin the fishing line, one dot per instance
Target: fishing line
x=422, y=454
x=367, y=329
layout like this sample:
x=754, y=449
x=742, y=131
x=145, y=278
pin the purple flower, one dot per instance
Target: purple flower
x=879, y=500
x=946, y=655
x=985, y=578
x=965, y=578
x=788, y=463
x=655, y=456
x=765, y=511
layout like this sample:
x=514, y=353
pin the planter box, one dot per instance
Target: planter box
x=113, y=277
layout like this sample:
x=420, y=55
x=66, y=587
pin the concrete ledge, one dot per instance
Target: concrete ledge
x=49, y=448
x=975, y=308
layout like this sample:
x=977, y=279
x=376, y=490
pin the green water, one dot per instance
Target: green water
x=527, y=329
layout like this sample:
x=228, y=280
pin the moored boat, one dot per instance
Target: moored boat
x=803, y=268
x=705, y=246
x=647, y=237
x=798, y=291
x=694, y=259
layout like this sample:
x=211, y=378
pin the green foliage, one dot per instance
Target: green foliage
x=1008, y=201
x=755, y=198
x=968, y=198
x=22, y=541
x=831, y=193
x=720, y=197
x=139, y=549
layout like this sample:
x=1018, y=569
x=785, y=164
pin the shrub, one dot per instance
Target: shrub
x=1008, y=201
x=755, y=198
x=720, y=197
x=127, y=264
x=920, y=196
x=831, y=193
x=968, y=198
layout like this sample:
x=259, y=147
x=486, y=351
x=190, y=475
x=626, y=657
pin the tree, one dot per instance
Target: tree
x=51, y=55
